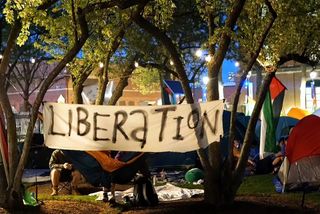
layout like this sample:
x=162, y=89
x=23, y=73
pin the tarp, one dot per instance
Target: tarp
x=167, y=192
x=298, y=113
x=304, y=139
x=174, y=128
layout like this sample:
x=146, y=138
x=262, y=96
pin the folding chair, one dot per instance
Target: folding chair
x=65, y=184
x=65, y=187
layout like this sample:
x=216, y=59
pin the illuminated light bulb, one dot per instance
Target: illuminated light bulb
x=199, y=53
x=208, y=58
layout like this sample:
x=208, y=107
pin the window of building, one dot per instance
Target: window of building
x=312, y=102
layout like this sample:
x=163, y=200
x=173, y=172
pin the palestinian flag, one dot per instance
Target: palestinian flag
x=270, y=116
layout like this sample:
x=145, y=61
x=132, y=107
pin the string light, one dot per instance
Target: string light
x=208, y=58
x=199, y=53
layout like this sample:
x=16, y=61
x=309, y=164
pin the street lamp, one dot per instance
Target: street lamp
x=32, y=60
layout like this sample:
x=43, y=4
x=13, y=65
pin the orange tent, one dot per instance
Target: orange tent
x=298, y=113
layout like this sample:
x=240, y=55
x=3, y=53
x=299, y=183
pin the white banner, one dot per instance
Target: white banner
x=174, y=128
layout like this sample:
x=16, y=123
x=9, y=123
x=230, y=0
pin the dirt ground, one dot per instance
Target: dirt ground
x=243, y=204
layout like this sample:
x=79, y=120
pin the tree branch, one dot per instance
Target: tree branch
x=248, y=137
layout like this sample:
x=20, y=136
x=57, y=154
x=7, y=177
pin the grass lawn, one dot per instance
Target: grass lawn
x=257, y=185
x=262, y=185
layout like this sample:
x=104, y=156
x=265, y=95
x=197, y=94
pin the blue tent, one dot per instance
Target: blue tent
x=284, y=125
x=242, y=122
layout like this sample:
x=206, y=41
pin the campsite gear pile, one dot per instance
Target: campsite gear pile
x=144, y=193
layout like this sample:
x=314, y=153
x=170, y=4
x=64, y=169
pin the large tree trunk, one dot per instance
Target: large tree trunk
x=216, y=182
x=5, y=104
x=3, y=186
x=15, y=191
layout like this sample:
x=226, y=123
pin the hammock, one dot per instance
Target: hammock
x=108, y=163
x=100, y=169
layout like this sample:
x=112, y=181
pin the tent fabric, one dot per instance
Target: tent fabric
x=301, y=175
x=89, y=167
x=242, y=122
x=317, y=112
x=285, y=123
x=304, y=140
x=298, y=113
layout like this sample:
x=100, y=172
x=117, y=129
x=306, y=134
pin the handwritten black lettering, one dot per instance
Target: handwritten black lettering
x=164, y=119
x=144, y=128
x=118, y=125
x=96, y=128
x=51, y=127
x=178, y=135
x=205, y=118
x=83, y=121
x=194, y=115
x=70, y=121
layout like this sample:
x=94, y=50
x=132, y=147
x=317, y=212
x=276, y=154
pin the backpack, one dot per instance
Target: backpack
x=144, y=193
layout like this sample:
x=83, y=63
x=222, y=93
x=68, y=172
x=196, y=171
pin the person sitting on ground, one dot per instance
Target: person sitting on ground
x=61, y=168
x=279, y=157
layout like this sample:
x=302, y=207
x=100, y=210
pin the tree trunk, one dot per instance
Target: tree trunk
x=6, y=107
x=102, y=85
x=104, y=78
x=3, y=186
x=15, y=196
x=117, y=93
x=77, y=90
